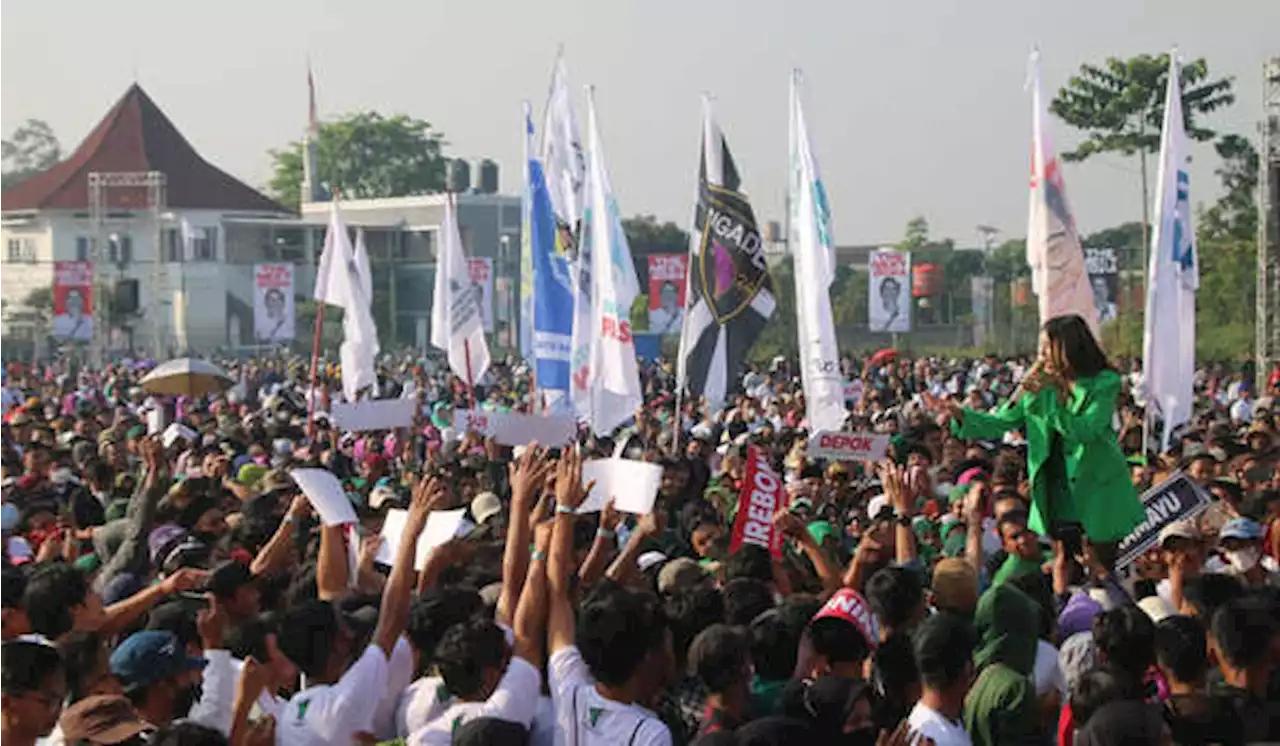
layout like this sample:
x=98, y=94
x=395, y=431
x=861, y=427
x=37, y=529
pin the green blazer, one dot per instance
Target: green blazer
x=1090, y=483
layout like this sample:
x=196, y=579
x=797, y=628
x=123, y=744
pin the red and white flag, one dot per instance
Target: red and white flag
x=1058, y=274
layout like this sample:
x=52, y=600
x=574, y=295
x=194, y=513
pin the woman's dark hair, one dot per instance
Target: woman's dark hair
x=464, y=653
x=1073, y=348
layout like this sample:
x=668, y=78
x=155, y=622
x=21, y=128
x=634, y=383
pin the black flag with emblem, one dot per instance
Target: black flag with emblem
x=730, y=297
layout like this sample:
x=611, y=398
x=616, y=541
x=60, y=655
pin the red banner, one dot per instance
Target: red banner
x=666, y=292
x=762, y=495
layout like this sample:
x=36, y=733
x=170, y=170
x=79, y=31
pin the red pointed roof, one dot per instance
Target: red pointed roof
x=137, y=136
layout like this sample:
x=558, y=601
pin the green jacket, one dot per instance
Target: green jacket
x=1089, y=482
x=1001, y=706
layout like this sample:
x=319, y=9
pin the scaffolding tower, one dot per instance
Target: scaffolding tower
x=100, y=184
x=1268, y=311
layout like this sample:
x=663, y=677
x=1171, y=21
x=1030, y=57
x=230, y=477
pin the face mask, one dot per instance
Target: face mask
x=1243, y=560
x=184, y=699
x=9, y=517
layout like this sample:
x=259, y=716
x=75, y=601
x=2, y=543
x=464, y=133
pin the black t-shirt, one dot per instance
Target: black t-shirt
x=1200, y=719
x=1259, y=719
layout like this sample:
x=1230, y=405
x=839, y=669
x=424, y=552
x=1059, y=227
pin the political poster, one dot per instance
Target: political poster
x=848, y=446
x=889, y=302
x=666, y=293
x=480, y=270
x=73, y=301
x=1104, y=277
x=1172, y=500
x=273, y=312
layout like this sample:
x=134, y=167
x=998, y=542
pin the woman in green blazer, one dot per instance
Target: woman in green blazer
x=1066, y=406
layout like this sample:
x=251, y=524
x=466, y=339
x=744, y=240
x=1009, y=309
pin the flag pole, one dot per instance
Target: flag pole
x=471, y=387
x=315, y=358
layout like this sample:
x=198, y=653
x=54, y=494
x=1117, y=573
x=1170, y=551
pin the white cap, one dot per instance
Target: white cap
x=649, y=559
x=877, y=504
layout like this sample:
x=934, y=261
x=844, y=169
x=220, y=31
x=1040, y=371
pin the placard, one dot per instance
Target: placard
x=859, y=446
x=761, y=496
x=1172, y=500
x=1103, y=267
x=516, y=429
x=325, y=492
x=633, y=485
x=442, y=525
x=375, y=414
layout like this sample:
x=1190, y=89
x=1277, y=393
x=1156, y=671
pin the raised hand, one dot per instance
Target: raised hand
x=569, y=490
x=186, y=579
x=609, y=517
x=211, y=623
x=528, y=474
x=652, y=524
x=789, y=524
x=430, y=493
x=894, y=479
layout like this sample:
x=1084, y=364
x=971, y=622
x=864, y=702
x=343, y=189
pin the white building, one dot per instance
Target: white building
x=190, y=242
x=160, y=215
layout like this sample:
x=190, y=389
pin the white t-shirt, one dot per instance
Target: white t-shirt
x=926, y=722
x=334, y=713
x=399, y=676
x=515, y=700
x=421, y=702
x=587, y=719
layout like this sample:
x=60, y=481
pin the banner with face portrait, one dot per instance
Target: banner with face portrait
x=73, y=301
x=273, y=311
x=666, y=293
x=889, y=304
x=1103, y=267
x=480, y=270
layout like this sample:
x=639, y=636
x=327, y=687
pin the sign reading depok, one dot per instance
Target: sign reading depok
x=762, y=495
x=848, y=446
x=1172, y=500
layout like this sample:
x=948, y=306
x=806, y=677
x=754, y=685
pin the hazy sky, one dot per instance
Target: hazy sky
x=914, y=107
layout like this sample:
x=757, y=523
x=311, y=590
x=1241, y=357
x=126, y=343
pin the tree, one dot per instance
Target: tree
x=366, y=156
x=645, y=235
x=1120, y=107
x=1235, y=215
x=31, y=148
x=916, y=235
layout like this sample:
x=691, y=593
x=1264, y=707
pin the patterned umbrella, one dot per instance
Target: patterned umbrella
x=186, y=377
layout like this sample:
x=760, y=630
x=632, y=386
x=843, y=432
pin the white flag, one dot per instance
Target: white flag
x=1169, y=339
x=457, y=318
x=615, y=380
x=564, y=164
x=362, y=266
x=338, y=283
x=815, y=267
x=1059, y=277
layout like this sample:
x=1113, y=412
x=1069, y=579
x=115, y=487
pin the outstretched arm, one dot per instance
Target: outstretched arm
x=569, y=496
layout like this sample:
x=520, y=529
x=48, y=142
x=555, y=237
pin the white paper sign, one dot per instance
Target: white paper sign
x=325, y=492
x=378, y=414
x=177, y=430
x=155, y=421
x=392, y=533
x=633, y=485
x=514, y=429
x=848, y=446
x=443, y=525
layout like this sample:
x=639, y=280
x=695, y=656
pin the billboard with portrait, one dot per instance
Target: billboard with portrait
x=889, y=304
x=273, y=310
x=73, y=301
x=1104, y=277
x=666, y=293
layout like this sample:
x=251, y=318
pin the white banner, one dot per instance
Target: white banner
x=374, y=414
x=273, y=313
x=515, y=429
x=848, y=446
x=480, y=270
x=889, y=304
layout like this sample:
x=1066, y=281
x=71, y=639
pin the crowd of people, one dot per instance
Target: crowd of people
x=165, y=580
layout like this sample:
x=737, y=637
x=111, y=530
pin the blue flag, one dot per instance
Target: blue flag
x=552, y=306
